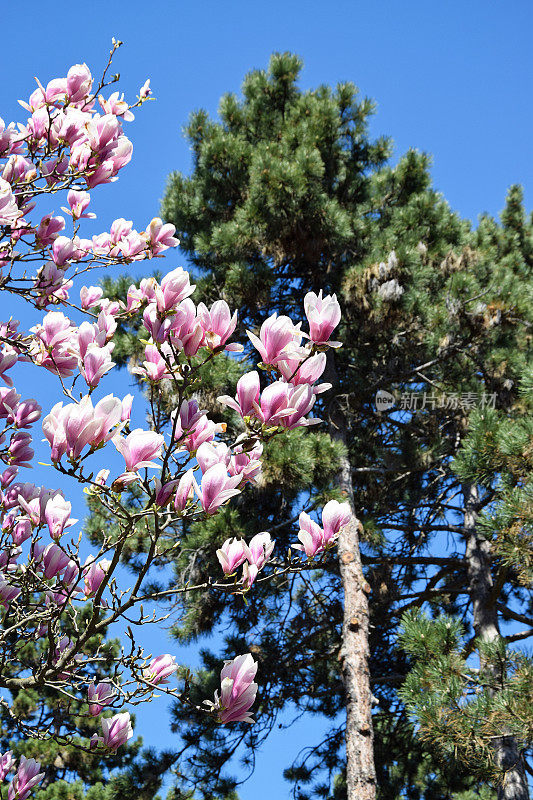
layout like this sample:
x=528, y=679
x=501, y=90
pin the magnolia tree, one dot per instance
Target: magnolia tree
x=52, y=597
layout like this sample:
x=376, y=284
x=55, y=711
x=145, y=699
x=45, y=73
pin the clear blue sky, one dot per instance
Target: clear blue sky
x=452, y=78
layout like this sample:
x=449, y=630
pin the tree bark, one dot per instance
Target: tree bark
x=354, y=653
x=487, y=628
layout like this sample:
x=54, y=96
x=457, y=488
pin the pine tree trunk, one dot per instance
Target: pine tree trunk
x=354, y=654
x=486, y=627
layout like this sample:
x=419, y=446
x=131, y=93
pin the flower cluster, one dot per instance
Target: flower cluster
x=252, y=556
x=285, y=402
x=26, y=777
x=237, y=691
x=73, y=140
x=181, y=466
x=315, y=539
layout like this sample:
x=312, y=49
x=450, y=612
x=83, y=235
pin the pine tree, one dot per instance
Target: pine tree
x=459, y=706
x=463, y=708
x=287, y=195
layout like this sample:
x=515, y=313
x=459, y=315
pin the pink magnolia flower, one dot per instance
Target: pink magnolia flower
x=68, y=127
x=113, y=157
x=99, y=697
x=184, y=491
x=9, y=138
x=90, y=296
x=70, y=575
x=302, y=399
x=335, y=516
x=247, y=398
x=189, y=415
x=218, y=325
x=69, y=429
x=21, y=531
x=26, y=413
x=101, y=477
x=94, y=574
x=160, y=669
x=127, y=402
x=237, y=690
x=134, y=298
x=160, y=237
x=120, y=228
x=96, y=363
x=88, y=334
x=57, y=515
x=247, y=463
x=116, y=105
x=132, y=246
x=249, y=574
x=174, y=288
x=9, y=400
x=116, y=731
x=18, y=170
x=158, y=328
x=26, y=778
x=211, y=453
x=7, y=360
x=204, y=430
x=216, y=488
x=323, y=315
x=54, y=561
x=232, y=554
x=7, y=762
x=103, y=173
x=147, y=288
x=32, y=499
x=49, y=229
x=8, y=476
x=9, y=211
x=8, y=593
x=260, y=549
x=186, y=331
x=106, y=322
x=154, y=368
x=52, y=344
x=102, y=244
x=307, y=370
x=163, y=492
x=145, y=90
x=26, y=491
x=63, y=250
x=102, y=131
x=51, y=287
x=20, y=452
x=310, y=535
x=276, y=403
x=278, y=338
x=79, y=82
x=139, y=447
x=83, y=248
x=78, y=202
